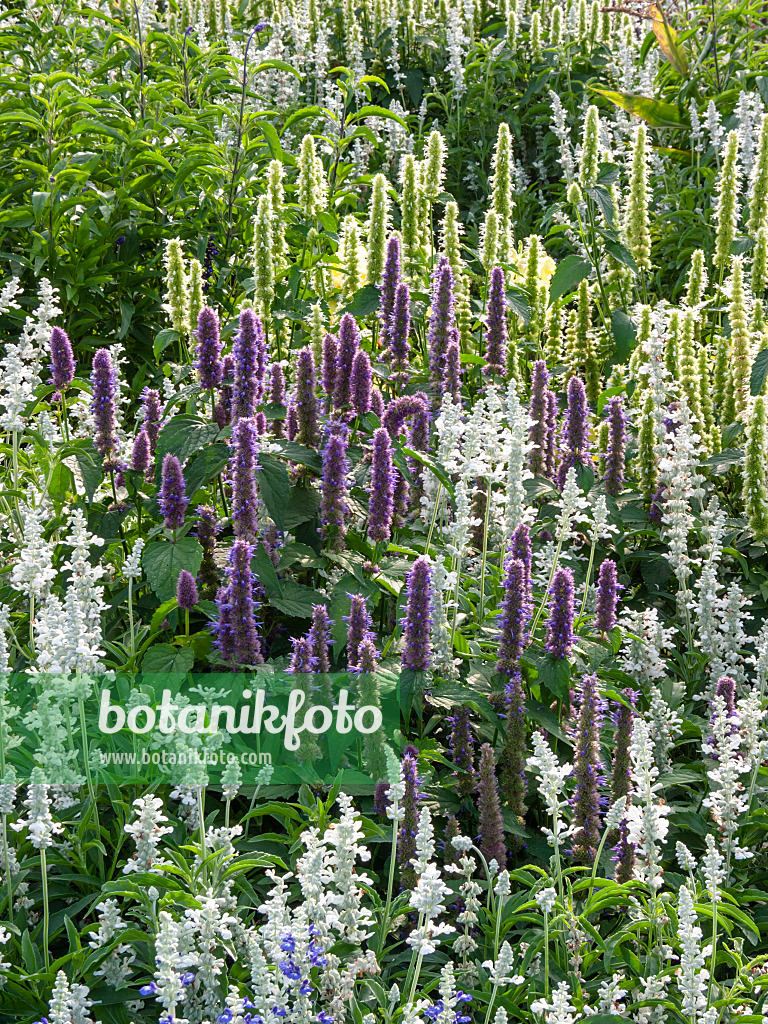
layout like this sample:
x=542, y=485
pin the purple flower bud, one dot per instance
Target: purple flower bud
x=277, y=394
x=576, y=436
x=617, y=440
x=452, y=379
x=726, y=688
x=237, y=635
x=442, y=324
x=368, y=656
x=333, y=499
x=496, y=327
x=62, y=359
x=399, y=351
x=104, y=388
x=587, y=770
x=607, y=597
x=328, y=368
x=319, y=636
x=250, y=352
x=538, y=431
x=302, y=660
x=360, y=389
x=621, y=782
x=390, y=279
x=349, y=343
x=381, y=799
x=304, y=400
x=359, y=626
x=172, y=499
x=520, y=547
x=491, y=826
x=207, y=528
x=244, y=466
x=208, y=362
x=560, y=638
x=291, y=423
x=186, y=591
x=417, y=654
x=462, y=750
x=141, y=456
x=406, y=840
x=223, y=411
x=380, y=502
x=516, y=611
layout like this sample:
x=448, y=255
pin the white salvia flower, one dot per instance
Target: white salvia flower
x=42, y=828
x=396, y=790
x=611, y=995
x=68, y=1005
x=503, y=887
x=455, y=42
x=172, y=958
x=559, y=127
x=712, y=869
x=33, y=573
x=354, y=920
x=685, y=858
x=8, y=295
x=751, y=715
x=726, y=798
x=551, y=775
x=714, y=126
x=427, y=899
x=616, y=813
x=546, y=899
x=110, y=923
x=131, y=569
x=692, y=979
x=146, y=832
x=664, y=726
x=425, y=841
x=647, y=818
x=519, y=420
x=561, y=1010
x=461, y=843
x=644, y=640
x=501, y=971
x=443, y=587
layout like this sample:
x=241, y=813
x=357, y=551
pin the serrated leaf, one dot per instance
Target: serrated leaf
x=621, y=254
x=364, y=302
x=304, y=504
x=274, y=488
x=204, y=466
x=570, y=272
x=184, y=436
x=165, y=658
x=163, y=560
x=296, y=600
x=759, y=373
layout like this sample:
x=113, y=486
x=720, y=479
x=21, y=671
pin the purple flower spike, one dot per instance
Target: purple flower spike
x=538, y=431
x=726, y=688
x=390, y=279
x=349, y=344
x=442, y=325
x=304, y=401
x=141, y=456
x=104, y=388
x=398, y=352
x=237, y=635
x=208, y=362
x=406, y=840
x=62, y=359
x=277, y=394
x=491, y=826
x=417, y=654
x=153, y=415
x=515, y=614
x=560, y=638
x=462, y=746
x=587, y=771
x=360, y=388
x=520, y=547
x=333, y=499
x=377, y=402
x=617, y=441
x=186, y=591
x=328, y=369
x=302, y=661
x=621, y=782
x=207, y=528
x=319, y=636
x=291, y=422
x=576, y=438
x=250, y=352
x=244, y=463
x=607, y=597
x=359, y=626
x=172, y=499
x=452, y=379
x=223, y=411
x=368, y=662
x=496, y=327
x=516, y=610
x=380, y=502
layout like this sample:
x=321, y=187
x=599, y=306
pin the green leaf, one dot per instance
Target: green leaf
x=184, y=436
x=657, y=113
x=759, y=372
x=89, y=464
x=163, y=340
x=555, y=675
x=302, y=507
x=297, y=600
x=624, y=334
x=204, y=466
x=570, y=272
x=298, y=453
x=161, y=614
x=165, y=658
x=163, y=560
x=265, y=573
x=519, y=303
x=370, y=111
x=621, y=254
x=274, y=487
x=602, y=198
x=364, y=302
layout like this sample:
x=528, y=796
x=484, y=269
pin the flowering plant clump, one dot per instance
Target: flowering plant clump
x=397, y=355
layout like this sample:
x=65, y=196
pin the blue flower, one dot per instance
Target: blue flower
x=463, y=997
x=187, y=978
x=278, y=1012
x=305, y=988
x=313, y=929
x=290, y=970
x=148, y=990
x=225, y=1017
x=324, y=1018
x=288, y=945
x=261, y=26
